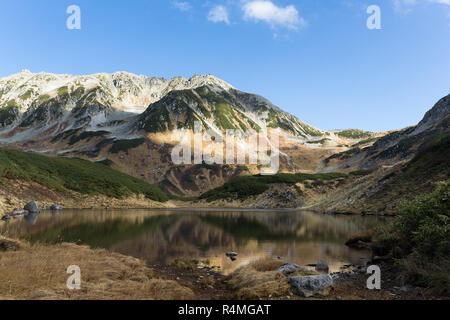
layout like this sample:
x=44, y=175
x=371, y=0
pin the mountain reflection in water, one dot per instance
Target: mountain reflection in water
x=159, y=236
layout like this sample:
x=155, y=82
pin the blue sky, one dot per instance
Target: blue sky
x=314, y=58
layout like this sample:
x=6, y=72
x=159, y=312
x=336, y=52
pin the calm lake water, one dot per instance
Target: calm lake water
x=159, y=236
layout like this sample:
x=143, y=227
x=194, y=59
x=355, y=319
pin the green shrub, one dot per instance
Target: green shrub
x=63, y=91
x=420, y=236
x=240, y=187
x=8, y=115
x=12, y=104
x=353, y=134
x=87, y=135
x=26, y=95
x=125, y=145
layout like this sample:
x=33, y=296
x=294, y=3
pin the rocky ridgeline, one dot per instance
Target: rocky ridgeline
x=123, y=104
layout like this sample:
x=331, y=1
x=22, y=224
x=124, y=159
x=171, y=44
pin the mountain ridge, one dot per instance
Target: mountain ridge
x=395, y=146
x=43, y=105
x=106, y=118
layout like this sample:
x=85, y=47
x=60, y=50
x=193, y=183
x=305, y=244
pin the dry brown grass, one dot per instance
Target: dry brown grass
x=258, y=280
x=39, y=272
x=183, y=263
x=266, y=264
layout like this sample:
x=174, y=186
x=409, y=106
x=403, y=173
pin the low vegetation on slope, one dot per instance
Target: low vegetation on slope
x=8, y=115
x=125, y=145
x=354, y=134
x=246, y=186
x=431, y=164
x=419, y=238
x=70, y=174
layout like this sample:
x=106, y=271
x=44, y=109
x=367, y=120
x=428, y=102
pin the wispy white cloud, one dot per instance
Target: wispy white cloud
x=405, y=6
x=218, y=14
x=182, y=6
x=266, y=11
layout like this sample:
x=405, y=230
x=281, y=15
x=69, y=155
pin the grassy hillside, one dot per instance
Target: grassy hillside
x=69, y=174
x=431, y=164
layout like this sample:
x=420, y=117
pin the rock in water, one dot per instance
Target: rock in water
x=19, y=212
x=322, y=266
x=289, y=268
x=32, y=207
x=308, y=286
x=55, y=207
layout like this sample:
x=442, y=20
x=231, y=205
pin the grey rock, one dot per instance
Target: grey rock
x=32, y=207
x=19, y=212
x=308, y=286
x=322, y=266
x=231, y=254
x=56, y=207
x=289, y=268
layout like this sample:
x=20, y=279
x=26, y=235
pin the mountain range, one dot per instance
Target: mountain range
x=126, y=121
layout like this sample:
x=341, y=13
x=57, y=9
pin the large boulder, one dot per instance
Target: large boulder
x=32, y=207
x=308, y=286
x=322, y=266
x=289, y=268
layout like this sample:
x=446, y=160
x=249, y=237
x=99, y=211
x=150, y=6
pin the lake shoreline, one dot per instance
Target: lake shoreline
x=181, y=281
x=203, y=278
x=16, y=194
